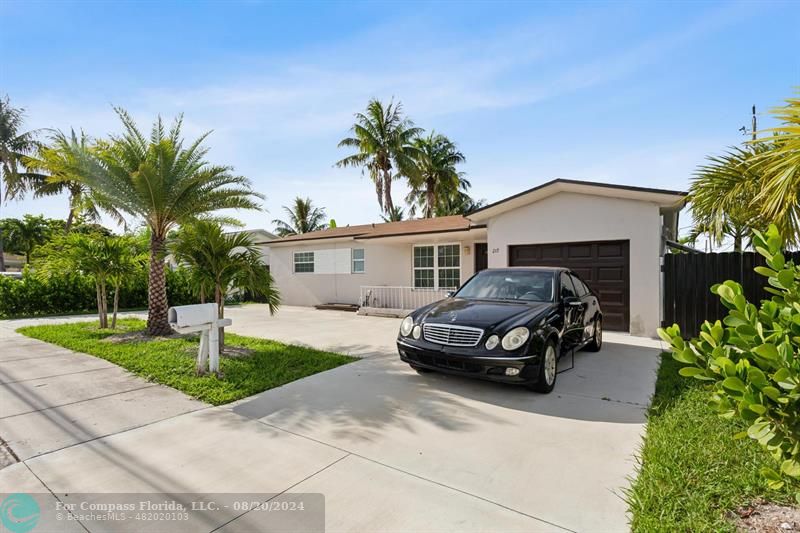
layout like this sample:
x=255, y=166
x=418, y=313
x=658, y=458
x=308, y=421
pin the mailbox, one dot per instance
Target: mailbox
x=202, y=318
x=189, y=316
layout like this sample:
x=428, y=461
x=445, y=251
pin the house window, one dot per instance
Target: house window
x=358, y=261
x=437, y=267
x=423, y=267
x=303, y=262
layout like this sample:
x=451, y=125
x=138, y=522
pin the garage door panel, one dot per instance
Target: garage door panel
x=579, y=251
x=611, y=250
x=603, y=265
x=611, y=273
x=585, y=273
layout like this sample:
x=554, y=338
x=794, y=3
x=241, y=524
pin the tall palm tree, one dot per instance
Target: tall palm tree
x=395, y=216
x=219, y=262
x=303, y=217
x=58, y=162
x=780, y=193
x=14, y=146
x=723, y=195
x=438, y=177
x=383, y=139
x=458, y=202
x=163, y=183
x=26, y=234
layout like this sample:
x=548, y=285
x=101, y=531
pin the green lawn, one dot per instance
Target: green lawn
x=693, y=472
x=172, y=361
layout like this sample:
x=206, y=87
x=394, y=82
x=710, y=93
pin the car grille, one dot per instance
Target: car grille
x=452, y=335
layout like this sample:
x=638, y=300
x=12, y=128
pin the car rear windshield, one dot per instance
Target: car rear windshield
x=534, y=286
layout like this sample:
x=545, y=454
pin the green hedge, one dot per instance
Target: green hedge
x=73, y=293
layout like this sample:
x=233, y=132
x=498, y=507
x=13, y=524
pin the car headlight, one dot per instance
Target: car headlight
x=406, y=326
x=515, y=338
x=416, y=332
x=492, y=342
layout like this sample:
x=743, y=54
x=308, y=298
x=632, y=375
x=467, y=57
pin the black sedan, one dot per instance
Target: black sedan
x=505, y=324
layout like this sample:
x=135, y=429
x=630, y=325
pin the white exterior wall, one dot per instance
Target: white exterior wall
x=388, y=264
x=571, y=217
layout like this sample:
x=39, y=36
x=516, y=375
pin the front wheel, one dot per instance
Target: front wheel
x=597, y=339
x=548, y=369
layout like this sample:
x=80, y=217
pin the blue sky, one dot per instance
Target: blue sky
x=624, y=92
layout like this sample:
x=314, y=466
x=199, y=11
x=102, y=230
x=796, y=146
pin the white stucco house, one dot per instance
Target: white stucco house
x=613, y=236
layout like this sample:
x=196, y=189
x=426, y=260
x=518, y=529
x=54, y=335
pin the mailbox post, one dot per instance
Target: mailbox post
x=202, y=318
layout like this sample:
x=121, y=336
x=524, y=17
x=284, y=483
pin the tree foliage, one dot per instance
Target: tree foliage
x=221, y=262
x=108, y=261
x=384, y=142
x=780, y=192
x=162, y=182
x=303, y=217
x=750, y=358
x=438, y=178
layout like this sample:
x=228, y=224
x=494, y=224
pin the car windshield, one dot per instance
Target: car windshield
x=528, y=285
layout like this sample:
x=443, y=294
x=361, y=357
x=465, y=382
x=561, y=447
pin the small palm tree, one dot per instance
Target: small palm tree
x=58, y=162
x=14, y=146
x=220, y=262
x=438, y=177
x=723, y=195
x=164, y=183
x=396, y=215
x=107, y=260
x=779, y=196
x=383, y=139
x=26, y=234
x=303, y=218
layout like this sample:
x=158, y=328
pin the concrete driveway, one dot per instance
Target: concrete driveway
x=389, y=449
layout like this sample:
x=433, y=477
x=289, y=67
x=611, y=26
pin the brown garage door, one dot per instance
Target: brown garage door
x=603, y=265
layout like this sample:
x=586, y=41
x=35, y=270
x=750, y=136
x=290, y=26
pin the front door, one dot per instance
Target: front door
x=481, y=256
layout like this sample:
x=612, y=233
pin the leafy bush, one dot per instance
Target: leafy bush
x=750, y=359
x=71, y=292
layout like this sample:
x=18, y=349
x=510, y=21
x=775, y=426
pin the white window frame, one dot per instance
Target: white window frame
x=436, y=265
x=294, y=262
x=353, y=260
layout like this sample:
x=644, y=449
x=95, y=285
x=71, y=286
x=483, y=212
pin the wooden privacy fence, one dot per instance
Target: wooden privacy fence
x=688, y=300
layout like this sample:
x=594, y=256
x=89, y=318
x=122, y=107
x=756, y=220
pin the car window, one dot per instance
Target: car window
x=567, y=290
x=528, y=285
x=580, y=288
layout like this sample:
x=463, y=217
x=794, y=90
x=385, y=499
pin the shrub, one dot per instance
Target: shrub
x=750, y=359
x=71, y=292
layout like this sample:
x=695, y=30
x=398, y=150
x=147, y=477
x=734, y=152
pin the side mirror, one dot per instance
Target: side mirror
x=449, y=294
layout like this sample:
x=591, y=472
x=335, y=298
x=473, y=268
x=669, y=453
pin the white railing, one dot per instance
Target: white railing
x=397, y=299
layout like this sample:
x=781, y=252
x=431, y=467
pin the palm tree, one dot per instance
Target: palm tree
x=127, y=255
x=437, y=158
x=14, y=146
x=164, y=183
x=383, y=140
x=458, y=202
x=25, y=235
x=107, y=260
x=58, y=162
x=303, y=218
x=221, y=262
x=396, y=215
x=780, y=192
x=723, y=195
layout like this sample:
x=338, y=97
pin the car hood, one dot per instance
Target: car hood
x=482, y=313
